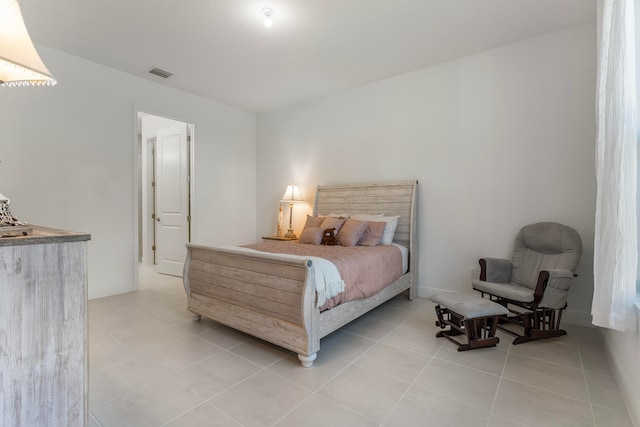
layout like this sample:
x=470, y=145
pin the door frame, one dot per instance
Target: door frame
x=137, y=141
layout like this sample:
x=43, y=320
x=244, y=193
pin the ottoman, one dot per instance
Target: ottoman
x=469, y=315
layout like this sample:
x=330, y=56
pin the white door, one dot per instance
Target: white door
x=172, y=199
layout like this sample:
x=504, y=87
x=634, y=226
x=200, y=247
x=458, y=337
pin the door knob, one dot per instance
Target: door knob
x=158, y=219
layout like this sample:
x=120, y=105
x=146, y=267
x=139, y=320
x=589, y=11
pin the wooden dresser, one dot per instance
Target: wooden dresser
x=43, y=329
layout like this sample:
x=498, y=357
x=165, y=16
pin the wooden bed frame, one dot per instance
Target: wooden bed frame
x=275, y=299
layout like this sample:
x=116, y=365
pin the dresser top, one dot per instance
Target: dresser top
x=42, y=235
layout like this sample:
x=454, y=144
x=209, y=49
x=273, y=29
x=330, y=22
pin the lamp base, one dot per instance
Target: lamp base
x=290, y=235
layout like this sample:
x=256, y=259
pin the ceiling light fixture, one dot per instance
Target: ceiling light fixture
x=20, y=64
x=267, y=12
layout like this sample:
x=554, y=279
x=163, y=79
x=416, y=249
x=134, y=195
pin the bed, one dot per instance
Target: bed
x=273, y=297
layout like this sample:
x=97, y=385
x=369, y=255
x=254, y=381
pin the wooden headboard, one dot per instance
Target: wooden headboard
x=388, y=198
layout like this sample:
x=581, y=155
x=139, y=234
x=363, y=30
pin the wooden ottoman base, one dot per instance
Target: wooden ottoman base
x=469, y=315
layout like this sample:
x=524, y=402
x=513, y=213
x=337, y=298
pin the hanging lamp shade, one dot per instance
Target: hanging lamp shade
x=20, y=64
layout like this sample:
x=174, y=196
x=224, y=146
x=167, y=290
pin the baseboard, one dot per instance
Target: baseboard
x=107, y=291
x=568, y=316
x=628, y=394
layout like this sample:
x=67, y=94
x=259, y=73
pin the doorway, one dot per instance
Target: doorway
x=164, y=192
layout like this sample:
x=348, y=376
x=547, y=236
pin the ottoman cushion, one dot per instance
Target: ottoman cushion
x=469, y=306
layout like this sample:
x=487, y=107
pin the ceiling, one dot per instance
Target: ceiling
x=220, y=49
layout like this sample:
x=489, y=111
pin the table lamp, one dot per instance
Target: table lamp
x=291, y=196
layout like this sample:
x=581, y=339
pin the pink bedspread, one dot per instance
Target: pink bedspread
x=365, y=270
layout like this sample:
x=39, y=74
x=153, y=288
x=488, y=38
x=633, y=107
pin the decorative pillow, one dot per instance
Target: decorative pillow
x=389, y=229
x=372, y=234
x=331, y=222
x=351, y=232
x=313, y=221
x=311, y=235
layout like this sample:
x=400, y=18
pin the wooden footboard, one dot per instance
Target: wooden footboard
x=261, y=294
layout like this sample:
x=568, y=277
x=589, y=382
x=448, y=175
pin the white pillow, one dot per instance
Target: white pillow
x=342, y=215
x=389, y=228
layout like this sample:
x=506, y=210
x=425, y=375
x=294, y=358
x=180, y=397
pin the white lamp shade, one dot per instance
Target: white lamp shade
x=20, y=64
x=292, y=194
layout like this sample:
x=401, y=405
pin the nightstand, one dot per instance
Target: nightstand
x=266, y=239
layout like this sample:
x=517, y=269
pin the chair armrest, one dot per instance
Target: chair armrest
x=495, y=270
x=552, y=288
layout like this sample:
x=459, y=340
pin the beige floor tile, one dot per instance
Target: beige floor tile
x=204, y=415
x=261, y=353
x=320, y=412
x=261, y=399
x=454, y=388
x=387, y=313
x=132, y=323
x=98, y=336
x=414, y=339
x=590, y=337
x=604, y=391
x=489, y=359
x=424, y=408
x=553, y=377
x=404, y=303
x=365, y=392
x=155, y=339
x=151, y=405
x=171, y=314
x=536, y=407
x=224, y=337
x=172, y=358
x=216, y=373
x=550, y=351
x=109, y=353
x=345, y=345
x=498, y=421
x=606, y=417
x=198, y=327
x=325, y=367
x=596, y=360
x=457, y=382
x=108, y=312
x=394, y=362
x=92, y=421
x=116, y=380
x=370, y=328
x=424, y=319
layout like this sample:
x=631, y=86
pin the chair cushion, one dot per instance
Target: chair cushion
x=542, y=246
x=469, y=306
x=510, y=291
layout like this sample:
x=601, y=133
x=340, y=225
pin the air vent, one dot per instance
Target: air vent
x=160, y=72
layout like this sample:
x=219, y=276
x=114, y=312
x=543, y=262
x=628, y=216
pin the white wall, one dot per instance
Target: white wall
x=497, y=140
x=68, y=161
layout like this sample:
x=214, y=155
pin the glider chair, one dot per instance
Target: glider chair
x=534, y=284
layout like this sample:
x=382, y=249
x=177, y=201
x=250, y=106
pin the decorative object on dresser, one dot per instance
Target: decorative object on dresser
x=280, y=297
x=43, y=319
x=9, y=224
x=291, y=195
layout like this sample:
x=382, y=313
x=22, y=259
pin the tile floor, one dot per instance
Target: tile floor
x=151, y=365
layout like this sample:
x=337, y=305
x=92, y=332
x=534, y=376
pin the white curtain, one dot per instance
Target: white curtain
x=615, y=245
